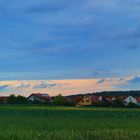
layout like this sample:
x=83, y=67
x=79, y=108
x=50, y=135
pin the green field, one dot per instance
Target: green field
x=68, y=123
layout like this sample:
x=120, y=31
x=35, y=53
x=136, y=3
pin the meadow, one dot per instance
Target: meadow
x=68, y=123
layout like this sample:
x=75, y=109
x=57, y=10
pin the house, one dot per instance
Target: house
x=138, y=100
x=95, y=99
x=85, y=101
x=130, y=99
x=105, y=98
x=73, y=99
x=42, y=98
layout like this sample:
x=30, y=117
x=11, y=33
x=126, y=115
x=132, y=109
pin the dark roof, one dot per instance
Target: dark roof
x=74, y=99
x=41, y=96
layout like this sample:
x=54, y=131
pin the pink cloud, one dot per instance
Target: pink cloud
x=65, y=87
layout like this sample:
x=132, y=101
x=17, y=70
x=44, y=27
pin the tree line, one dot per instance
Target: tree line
x=12, y=99
x=61, y=100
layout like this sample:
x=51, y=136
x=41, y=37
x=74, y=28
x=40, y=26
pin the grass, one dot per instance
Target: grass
x=68, y=123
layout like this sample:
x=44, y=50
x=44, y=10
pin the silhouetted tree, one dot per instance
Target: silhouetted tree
x=12, y=99
x=117, y=102
x=21, y=99
x=59, y=100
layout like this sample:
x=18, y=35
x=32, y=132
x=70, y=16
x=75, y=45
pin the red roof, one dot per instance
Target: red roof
x=138, y=99
x=41, y=96
x=95, y=99
x=73, y=99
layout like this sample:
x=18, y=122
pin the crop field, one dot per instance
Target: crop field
x=68, y=123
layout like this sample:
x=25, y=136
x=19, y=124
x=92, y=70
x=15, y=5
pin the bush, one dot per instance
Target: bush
x=132, y=105
x=59, y=100
x=17, y=99
x=117, y=103
x=102, y=104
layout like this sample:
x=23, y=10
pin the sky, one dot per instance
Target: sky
x=69, y=47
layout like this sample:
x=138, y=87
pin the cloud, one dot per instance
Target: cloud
x=135, y=80
x=131, y=83
x=132, y=33
x=53, y=6
x=115, y=83
x=41, y=8
x=101, y=81
x=134, y=3
x=3, y=87
x=45, y=85
x=22, y=85
x=122, y=79
x=54, y=87
x=100, y=73
x=132, y=47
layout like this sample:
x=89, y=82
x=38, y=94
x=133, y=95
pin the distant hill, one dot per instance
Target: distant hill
x=110, y=93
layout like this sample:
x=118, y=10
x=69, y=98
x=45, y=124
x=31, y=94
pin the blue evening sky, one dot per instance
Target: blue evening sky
x=61, y=39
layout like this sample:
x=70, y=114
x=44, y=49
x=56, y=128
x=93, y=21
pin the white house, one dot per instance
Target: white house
x=43, y=98
x=130, y=99
x=100, y=98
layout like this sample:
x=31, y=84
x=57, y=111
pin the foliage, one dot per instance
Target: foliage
x=59, y=100
x=17, y=99
x=68, y=103
x=117, y=102
x=102, y=104
x=132, y=105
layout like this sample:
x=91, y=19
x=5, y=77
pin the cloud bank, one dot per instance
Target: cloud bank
x=68, y=87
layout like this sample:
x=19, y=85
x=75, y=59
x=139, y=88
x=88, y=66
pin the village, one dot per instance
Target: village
x=102, y=99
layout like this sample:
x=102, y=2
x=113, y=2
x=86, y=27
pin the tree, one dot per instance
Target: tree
x=12, y=99
x=102, y=104
x=21, y=99
x=118, y=102
x=59, y=100
x=132, y=105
